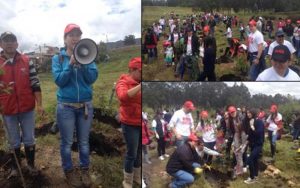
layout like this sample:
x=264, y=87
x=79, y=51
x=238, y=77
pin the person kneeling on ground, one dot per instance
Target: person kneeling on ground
x=184, y=163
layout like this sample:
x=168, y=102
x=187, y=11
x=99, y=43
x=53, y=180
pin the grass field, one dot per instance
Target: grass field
x=106, y=171
x=157, y=70
x=287, y=161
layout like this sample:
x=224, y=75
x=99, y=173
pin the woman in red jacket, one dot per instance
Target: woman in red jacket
x=128, y=90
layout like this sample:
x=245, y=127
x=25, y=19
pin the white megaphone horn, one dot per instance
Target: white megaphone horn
x=85, y=51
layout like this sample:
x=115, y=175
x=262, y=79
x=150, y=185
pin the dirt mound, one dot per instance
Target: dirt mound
x=102, y=116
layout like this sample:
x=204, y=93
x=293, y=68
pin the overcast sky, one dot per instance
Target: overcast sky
x=272, y=88
x=39, y=22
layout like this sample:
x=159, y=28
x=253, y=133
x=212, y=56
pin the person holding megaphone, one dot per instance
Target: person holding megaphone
x=74, y=107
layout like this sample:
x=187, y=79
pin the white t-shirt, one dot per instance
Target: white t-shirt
x=254, y=40
x=162, y=21
x=182, y=122
x=172, y=27
x=285, y=42
x=189, y=46
x=176, y=37
x=297, y=33
x=171, y=21
x=229, y=33
x=271, y=75
x=272, y=125
x=208, y=132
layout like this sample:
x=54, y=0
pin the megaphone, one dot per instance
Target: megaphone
x=85, y=51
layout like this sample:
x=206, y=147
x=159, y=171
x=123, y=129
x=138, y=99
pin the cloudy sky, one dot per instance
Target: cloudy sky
x=39, y=22
x=272, y=88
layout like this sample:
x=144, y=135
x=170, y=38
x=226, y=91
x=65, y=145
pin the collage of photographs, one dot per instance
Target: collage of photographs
x=150, y=94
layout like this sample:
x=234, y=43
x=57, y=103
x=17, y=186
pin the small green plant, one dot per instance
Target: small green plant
x=242, y=65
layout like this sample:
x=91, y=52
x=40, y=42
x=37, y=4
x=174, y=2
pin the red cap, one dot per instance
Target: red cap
x=166, y=43
x=206, y=28
x=71, y=27
x=289, y=21
x=273, y=108
x=252, y=23
x=193, y=137
x=231, y=109
x=204, y=114
x=135, y=63
x=189, y=105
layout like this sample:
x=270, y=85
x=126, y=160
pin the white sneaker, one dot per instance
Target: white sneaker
x=250, y=181
x=161, y=158
x=166, y=155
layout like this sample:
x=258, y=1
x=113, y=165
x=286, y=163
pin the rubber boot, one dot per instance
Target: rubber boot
x=128, y=180
x=30, y=155
x=137, y=176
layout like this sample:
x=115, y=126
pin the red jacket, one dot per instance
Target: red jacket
x=145, y=133
x=130, y=107
x=21, y=98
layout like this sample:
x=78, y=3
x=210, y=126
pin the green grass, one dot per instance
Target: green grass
x=158, y=72
x=285, y=161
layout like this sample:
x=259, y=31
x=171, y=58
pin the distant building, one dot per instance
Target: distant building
x=41, y=57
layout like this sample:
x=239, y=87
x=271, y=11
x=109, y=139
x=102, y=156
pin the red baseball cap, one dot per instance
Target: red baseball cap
x=231, y=109
x=206, y=28
x=71, y=27
x=193, y=137
x=204, y=114
x=273, y=108
x=189, y=105
x=252, y=23
x=135, y=63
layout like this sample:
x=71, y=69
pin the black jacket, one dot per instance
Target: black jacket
x=182, y=159
x=195, y=44
x=256, y=137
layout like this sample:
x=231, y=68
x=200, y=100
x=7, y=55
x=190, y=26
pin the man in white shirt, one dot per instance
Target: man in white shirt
x=255, y=49
x=162, y=22
x=280, y=41
x=182, y=123
x=279, y=70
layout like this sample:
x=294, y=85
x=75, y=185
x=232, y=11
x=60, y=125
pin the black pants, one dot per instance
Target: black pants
x=253, y=161
x=208, y=73
x=161, y=146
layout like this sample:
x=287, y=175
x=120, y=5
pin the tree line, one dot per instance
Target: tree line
x=237, y=5
x=208, y=95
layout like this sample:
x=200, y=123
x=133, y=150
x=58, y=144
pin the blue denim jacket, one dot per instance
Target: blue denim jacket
x=74, y=82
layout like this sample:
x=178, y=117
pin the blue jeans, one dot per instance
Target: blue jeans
x=296, y=133
x=252, y=161
x=297, y=47
x=272, y=139
x=183, y=178
x=255, y=69
x=13, y=123
x=133, y=139
x=182, y=141
x=70, y=119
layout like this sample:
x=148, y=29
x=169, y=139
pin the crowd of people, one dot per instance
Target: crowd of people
x=235, y=135
x=189, y=40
